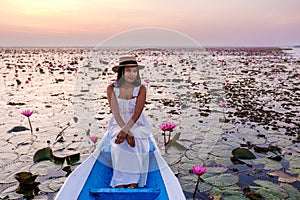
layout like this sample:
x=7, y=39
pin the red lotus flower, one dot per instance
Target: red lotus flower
x=94, y=139
x=27, y=113
x=199, y=170
x=224, y=103
x=168, y=126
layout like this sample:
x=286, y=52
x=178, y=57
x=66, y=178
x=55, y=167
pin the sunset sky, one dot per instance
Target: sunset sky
x=209, y=22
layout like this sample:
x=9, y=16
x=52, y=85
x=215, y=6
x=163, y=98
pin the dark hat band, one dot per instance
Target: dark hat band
x=128, y=62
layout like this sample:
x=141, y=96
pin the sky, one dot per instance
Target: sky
x=208, y=22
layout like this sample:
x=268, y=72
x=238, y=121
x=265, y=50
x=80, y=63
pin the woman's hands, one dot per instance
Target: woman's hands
x=122, y=136
x=130, y=140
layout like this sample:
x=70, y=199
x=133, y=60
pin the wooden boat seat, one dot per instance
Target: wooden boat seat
x=125, y=193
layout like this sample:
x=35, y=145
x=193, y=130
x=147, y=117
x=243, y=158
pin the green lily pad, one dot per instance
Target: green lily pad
x=295, y=165
x=270, y=190
x=232, y=141
x=234, y=197
x=216, y=169
x=233, y=192
x=171, y=158
x=221, y=151
x=58, y=160
x=8, y=172
x=247, y=131
x=226, y=162
x=55, y=184
x=241, y=153
x=11, y=192
x=204, y=187
x=187, y=164
x=73, y=158
x=192, y=154
x=43, y=154
x=222, y=179
x=268, y=164
x=215, y=191
x=44, y=186
x=292, y=192
x=41, y=168
x=25, y=177
x=254, y=139
x=7, y=156
x=280, y=140
x=188, y=184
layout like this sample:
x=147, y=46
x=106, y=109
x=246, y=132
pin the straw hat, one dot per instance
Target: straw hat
x=127, y=61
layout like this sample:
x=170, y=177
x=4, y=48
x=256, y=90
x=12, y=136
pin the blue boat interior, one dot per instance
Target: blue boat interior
x=97, y=185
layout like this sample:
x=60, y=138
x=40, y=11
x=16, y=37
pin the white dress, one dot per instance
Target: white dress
x=130, y=164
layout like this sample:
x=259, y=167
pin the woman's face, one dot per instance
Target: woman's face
x=130, y=74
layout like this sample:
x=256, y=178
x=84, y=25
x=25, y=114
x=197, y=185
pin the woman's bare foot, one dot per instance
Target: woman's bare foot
x=120, y=186
x=133, y=185
x=130, y=140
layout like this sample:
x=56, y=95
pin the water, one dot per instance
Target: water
x=294, y=51
x=186, y=87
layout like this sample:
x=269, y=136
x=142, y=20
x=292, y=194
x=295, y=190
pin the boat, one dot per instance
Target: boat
x=91, y=179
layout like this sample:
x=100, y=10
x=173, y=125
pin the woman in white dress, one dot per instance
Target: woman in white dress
x=128, y=128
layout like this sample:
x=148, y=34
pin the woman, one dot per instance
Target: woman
x=128, y=128
x=125, y=147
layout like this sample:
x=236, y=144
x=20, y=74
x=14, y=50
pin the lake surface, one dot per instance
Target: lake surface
x=66, y=90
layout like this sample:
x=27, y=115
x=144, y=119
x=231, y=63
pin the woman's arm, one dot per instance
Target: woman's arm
x=113, y=104
x=140, y=103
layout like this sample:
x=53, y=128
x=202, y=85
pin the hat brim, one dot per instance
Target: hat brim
x=116, y=68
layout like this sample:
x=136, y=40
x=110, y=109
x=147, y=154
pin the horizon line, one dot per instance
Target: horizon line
x=204, y=46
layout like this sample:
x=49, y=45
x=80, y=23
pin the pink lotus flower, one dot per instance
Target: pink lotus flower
x=199, y=170
x=168, y=126
x=27, y=113
x=94, y=139
x=89, y=84
x=147, y=81
x=224, y=103
x=226, y=81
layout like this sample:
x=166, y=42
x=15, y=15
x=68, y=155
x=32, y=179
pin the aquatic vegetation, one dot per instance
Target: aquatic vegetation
x=167, y=127
x=198, y=170
x=27, y=185
x=28, y=113
x=94, y=139
x=258, y=141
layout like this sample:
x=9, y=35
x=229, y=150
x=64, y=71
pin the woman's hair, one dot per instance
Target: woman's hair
x=120, y=78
